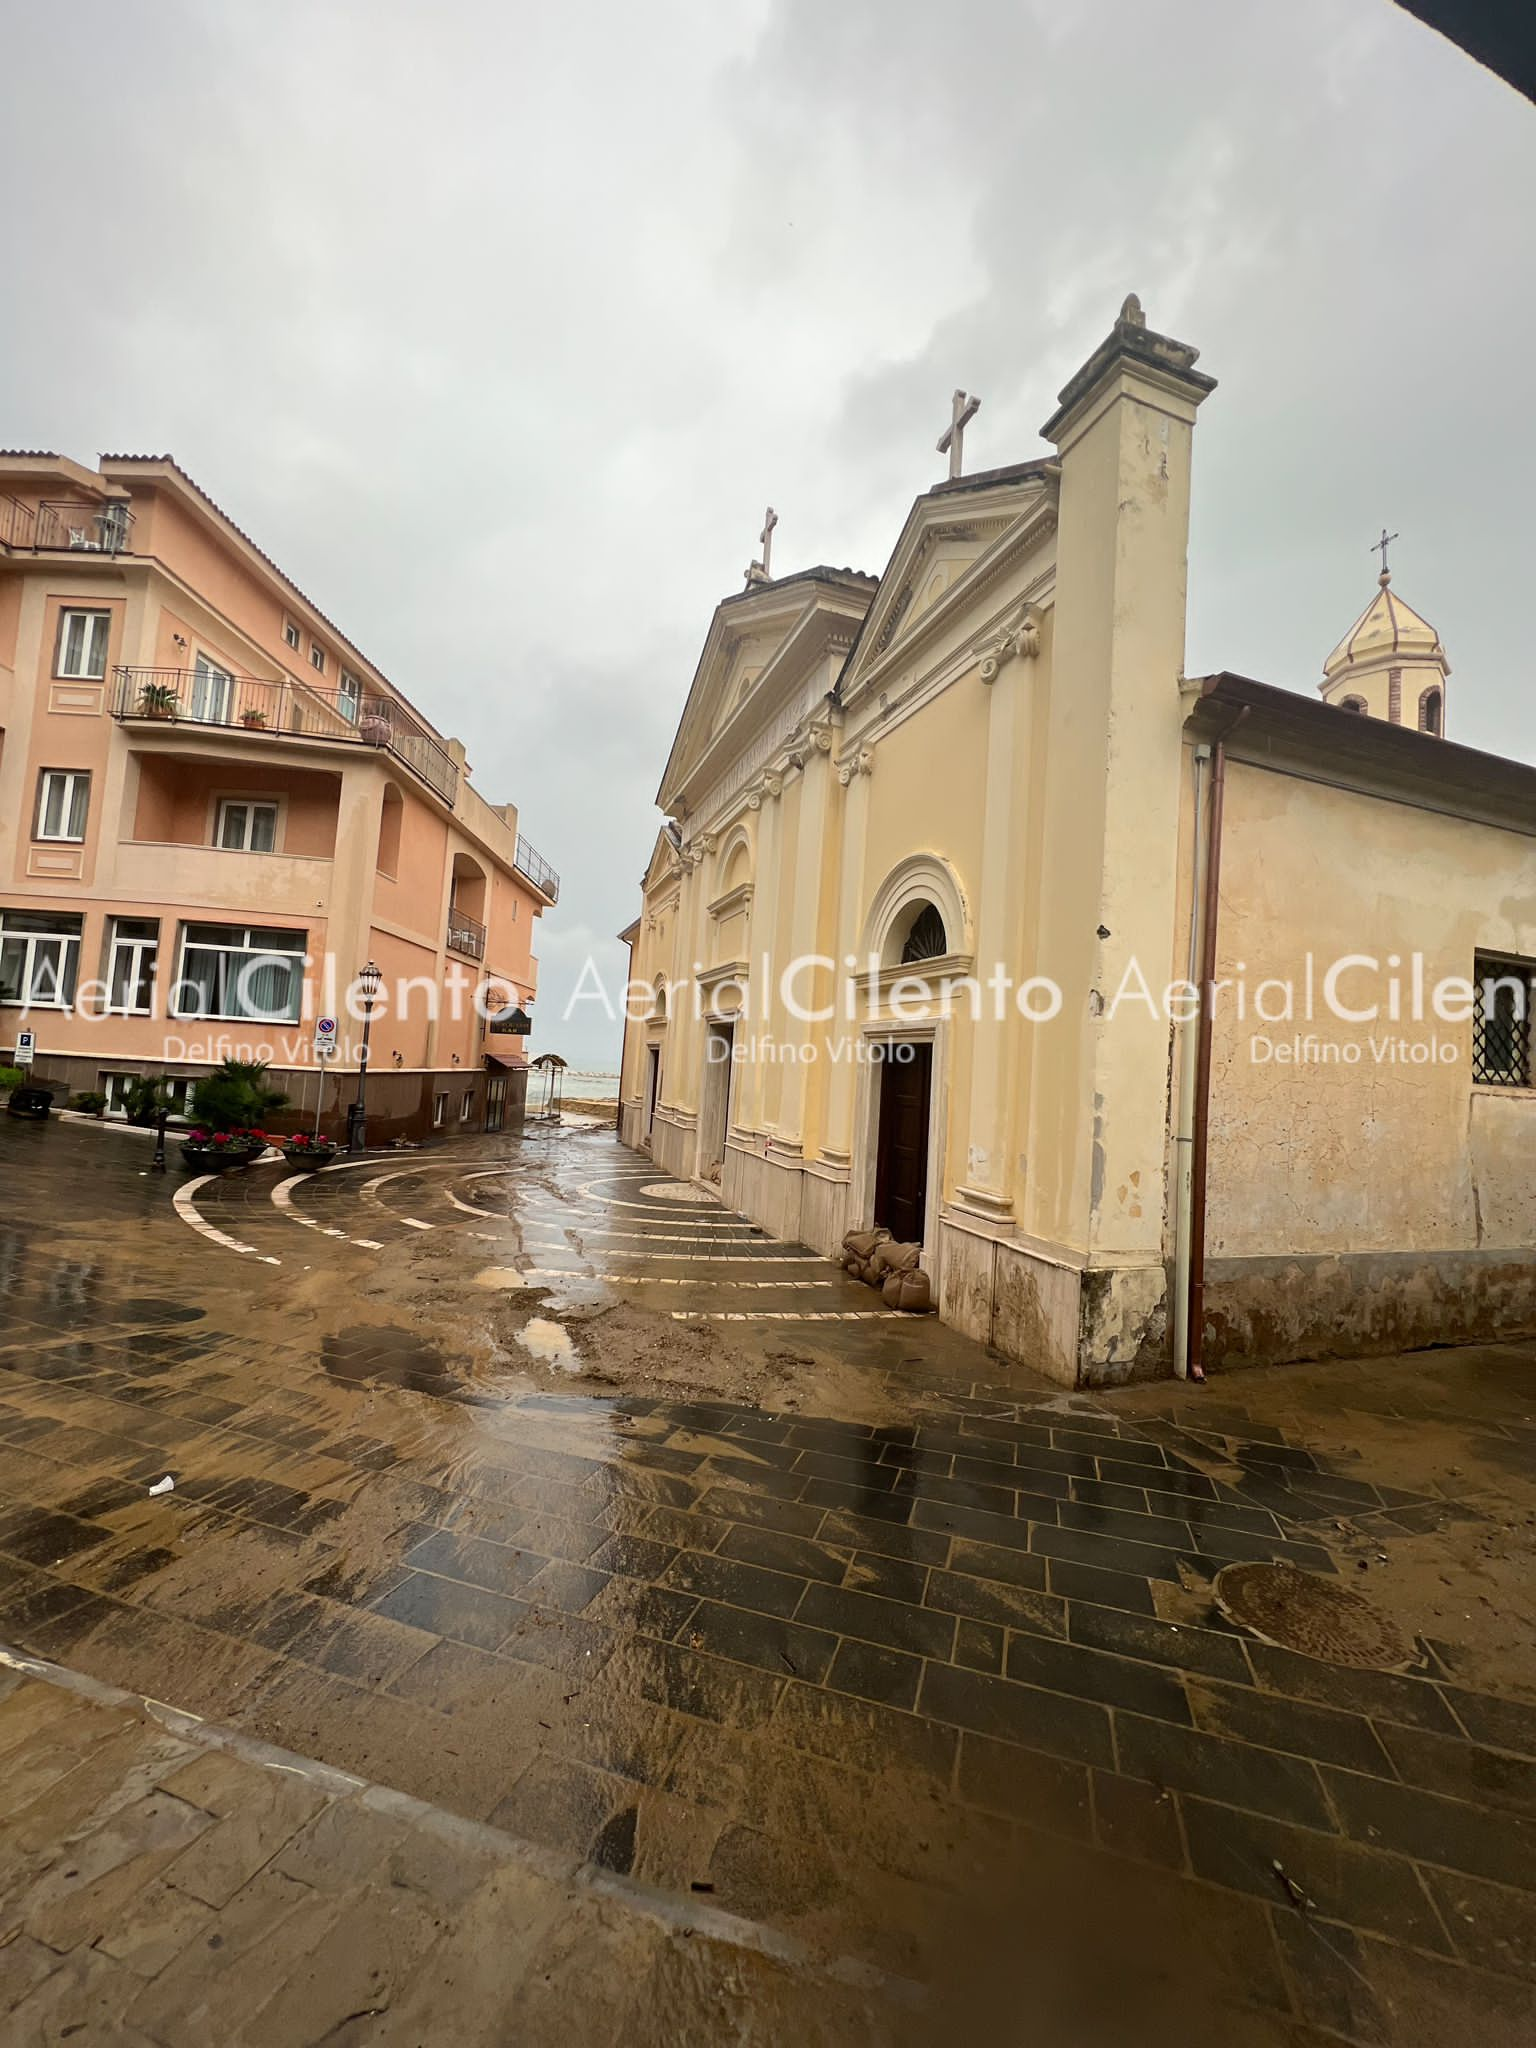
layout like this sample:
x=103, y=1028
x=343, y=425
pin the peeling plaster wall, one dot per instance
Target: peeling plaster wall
x=1364, y=1192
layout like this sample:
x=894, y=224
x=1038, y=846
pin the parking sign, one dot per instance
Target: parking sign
x=26, y=1046
x=325, y=1038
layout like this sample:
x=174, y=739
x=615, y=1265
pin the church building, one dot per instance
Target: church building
x=1183, y=1022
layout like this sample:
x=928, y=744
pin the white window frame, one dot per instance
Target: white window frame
x=439, y=1109
x=211, y=680
x=133, y=947
x=467, y=1107
x=248, y=954
x=75, y=792
x=30, y=942
x=250, y=805
x=317, y=657
x=349, y=696
x=93, y=647
x=292, y=637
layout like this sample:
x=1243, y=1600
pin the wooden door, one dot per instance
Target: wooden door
x=901, y=1156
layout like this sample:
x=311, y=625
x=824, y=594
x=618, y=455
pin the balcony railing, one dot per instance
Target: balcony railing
x=465, y=934
x=93, y=528
x=256, y=705
x=530, y=863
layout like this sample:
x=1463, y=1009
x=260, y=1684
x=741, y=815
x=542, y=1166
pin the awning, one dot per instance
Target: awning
x=513, y=1060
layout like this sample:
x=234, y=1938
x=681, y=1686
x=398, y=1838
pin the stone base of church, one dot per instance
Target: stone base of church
x=1276, y=1310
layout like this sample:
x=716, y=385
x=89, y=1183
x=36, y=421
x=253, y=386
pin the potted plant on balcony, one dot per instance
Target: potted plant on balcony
x=309, y=1149
x=157, y=700
x=253, y=720
x=374, y=728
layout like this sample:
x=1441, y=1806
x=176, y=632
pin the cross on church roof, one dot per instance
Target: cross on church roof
x=962, y=410
x=762, y=572
x=1379, y=547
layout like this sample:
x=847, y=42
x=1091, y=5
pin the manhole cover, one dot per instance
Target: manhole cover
x=678, y=1191
x=1297, y=1610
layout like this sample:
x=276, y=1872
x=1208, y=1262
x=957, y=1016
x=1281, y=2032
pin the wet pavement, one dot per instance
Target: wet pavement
x=517, y=1479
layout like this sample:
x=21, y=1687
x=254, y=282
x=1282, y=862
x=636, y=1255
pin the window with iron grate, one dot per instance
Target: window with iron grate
x=1501, y=1021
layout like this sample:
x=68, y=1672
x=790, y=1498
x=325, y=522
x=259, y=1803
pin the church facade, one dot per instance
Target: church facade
x=974, y=918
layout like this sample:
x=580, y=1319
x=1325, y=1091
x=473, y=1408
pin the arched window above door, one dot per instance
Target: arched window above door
x=926, y=938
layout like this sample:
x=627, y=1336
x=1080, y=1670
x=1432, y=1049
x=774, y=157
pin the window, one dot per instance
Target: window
x=317, y=657
x=1354, y=704
x=63, y=796
x=240, y=972
x=291, y=634
x=245, y=826
x=925, y=938
x=349, y=690
x=82, y=644
x=1430, y=706
x=1501, y=1021
x=467, y=1106
x=131, y=962
x=213, y=690
x=440, y=1110
x=39, y=958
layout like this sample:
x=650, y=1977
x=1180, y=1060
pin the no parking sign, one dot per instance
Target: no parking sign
x=325, y=1038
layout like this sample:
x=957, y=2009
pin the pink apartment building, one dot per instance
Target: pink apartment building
x=214, y=811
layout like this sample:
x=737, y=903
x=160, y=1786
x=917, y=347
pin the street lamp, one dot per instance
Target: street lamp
x=369, y=980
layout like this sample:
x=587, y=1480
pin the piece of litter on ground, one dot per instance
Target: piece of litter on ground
x=1293, y=1890
x=163, y=1485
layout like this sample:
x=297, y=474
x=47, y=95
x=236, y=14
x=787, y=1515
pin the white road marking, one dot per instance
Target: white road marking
x=661, y=1279
x=693, y=1258
x=282, y=1197
x=186, y=1209
x=416, y=1223
x=784, y=1315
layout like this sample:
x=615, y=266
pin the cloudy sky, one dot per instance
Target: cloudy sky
x=498, y=325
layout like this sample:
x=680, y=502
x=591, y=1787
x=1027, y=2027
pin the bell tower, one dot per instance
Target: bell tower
x=1390, y=664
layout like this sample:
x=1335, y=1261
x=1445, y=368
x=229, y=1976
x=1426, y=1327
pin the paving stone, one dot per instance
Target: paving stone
x=1046, y=1791
x=496, y=1566
x=270, y=1809
x=1432, y=1829
x=707, y=1686
x=1362, y=1887
x=872, y=1672
x=1378, y=1694
x=1460, y=1769
x=447, y=1607
x=1327, y=1734
x=1501, y=1723
x=980, y=1645
x=1159, y=1642
x=153, y=1927
x=359, y=1965
x=1137, y=1819
x=775, y=1550
x=1025, y=1714
x=1231, y=1773
x=217, y=1985
x=892, y=1578
x=1090, y=1675
x=1492, y=1925
x=987, y=1600
x=869, y=1736
x=765, y=1640
x=713, y=1577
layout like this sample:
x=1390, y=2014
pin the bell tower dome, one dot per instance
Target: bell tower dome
x=1390, y=664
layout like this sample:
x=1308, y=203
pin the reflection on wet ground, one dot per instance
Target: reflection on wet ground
x=829, y=1616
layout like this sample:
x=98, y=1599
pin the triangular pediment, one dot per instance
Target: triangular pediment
x=951, y=545
x=663, y=863
x=760, y=647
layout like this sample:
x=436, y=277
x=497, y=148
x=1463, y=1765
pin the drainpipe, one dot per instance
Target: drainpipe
x=1195, y=1311
x=1184, y=1125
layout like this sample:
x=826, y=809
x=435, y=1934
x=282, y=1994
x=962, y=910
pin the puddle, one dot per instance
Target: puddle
x=501, y=1276
x=393, y=1358
x=550, y=1343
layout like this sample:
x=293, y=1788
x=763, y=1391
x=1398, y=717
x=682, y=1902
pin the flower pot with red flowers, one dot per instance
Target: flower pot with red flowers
x=309, y=1149
x=217, y=1151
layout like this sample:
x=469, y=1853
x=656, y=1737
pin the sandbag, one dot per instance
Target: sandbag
x=914, y=1293
x=862, y=1242
x=894, y=1257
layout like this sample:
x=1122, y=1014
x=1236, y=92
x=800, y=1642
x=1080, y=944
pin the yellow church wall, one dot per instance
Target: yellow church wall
x=1359, y=1152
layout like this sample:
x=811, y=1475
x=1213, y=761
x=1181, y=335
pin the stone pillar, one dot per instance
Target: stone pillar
x=1099, y=1096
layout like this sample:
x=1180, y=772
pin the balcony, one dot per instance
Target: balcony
x=221, y=883
x=466, y=935
x=260, y=708
x=98, y=527
x=534, y=868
